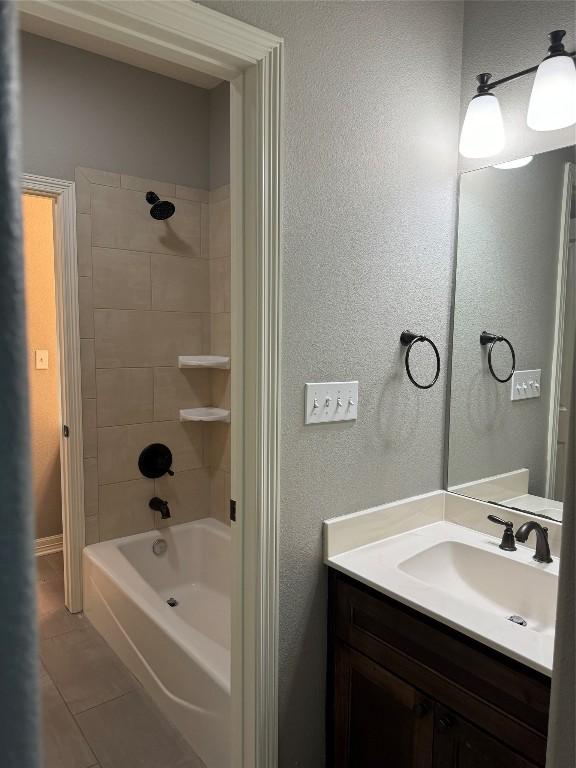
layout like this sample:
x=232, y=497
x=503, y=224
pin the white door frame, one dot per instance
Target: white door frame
x=173, y=36
x=560, y=313
x=68, y=334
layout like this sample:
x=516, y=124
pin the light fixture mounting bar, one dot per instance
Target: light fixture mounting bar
x=487, y=87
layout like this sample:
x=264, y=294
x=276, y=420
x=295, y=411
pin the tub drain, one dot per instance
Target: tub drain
x=172, y=602
x=518, y=620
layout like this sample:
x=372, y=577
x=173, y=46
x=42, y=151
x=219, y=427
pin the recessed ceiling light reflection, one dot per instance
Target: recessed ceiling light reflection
x=520, y=163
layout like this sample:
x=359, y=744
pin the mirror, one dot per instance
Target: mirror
x=514, y=324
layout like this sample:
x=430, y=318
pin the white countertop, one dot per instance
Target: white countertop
x=529, y=503
x=448, y=572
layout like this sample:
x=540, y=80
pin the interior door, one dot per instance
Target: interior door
x=380, y=721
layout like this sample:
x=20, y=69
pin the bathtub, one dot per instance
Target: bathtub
x=180, y=654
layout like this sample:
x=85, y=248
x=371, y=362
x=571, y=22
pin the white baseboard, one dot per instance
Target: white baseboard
x=48, y=545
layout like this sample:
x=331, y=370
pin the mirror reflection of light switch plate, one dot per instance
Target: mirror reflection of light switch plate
x=41, y=359
x=526, y=384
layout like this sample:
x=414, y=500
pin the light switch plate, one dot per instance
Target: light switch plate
x=525, y=385
x=41, y=359
x=331, y=401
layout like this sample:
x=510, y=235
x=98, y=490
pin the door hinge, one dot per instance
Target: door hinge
x=66, y=430
x=232, y=510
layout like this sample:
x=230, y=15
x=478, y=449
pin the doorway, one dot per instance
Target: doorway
x=194, y=38
x=59, y=250
x=43, y=379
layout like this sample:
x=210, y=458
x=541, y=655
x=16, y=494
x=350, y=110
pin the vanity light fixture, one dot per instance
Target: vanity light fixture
x=553, y=99
x=552, y=103
x=483, y=129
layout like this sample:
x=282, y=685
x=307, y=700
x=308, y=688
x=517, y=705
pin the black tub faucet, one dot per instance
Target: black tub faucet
x=159, y=505
x=542, y=554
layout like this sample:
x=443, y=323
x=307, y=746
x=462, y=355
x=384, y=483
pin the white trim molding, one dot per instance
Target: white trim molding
x=68, y=330
x=49, y=545
x=560, y=313
x=177, y=38
x=181, y=39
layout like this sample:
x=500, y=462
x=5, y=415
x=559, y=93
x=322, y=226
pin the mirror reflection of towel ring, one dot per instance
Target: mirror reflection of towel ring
x=408, y=339
x=491, y=339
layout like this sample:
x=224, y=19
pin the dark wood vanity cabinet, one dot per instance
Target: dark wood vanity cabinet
x=405, y=691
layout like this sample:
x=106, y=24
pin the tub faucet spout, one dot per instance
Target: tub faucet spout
x=159, y=505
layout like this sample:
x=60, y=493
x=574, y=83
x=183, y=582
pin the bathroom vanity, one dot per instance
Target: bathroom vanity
x=408, y=692
x=440, y=642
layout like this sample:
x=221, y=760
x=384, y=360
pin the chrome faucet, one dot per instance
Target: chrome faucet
x=542, y=554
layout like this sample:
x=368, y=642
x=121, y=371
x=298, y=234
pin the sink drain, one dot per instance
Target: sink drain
x=172, y=602
x=518, y=620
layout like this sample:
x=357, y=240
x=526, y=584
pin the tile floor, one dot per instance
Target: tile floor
x=95, y=713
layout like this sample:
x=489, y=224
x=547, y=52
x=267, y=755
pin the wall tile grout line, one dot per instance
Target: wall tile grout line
x=136, y=395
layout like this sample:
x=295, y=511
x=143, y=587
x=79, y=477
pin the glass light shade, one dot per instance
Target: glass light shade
x=553, y=100
x=511, y=164
x=483, y=130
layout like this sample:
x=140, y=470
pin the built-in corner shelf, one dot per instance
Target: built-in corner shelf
x=203, y=361
x=204, y=414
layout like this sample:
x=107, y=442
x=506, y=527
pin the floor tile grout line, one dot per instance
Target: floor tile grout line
x=60, y=634
x=76, y=723
x=76, y=715
x=136, y=687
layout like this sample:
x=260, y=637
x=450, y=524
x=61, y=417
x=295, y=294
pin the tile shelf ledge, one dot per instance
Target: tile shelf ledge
x=203, y=361
x=205, y=414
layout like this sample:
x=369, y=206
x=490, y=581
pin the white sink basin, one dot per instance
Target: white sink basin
x=501, y=585
x=462, y=578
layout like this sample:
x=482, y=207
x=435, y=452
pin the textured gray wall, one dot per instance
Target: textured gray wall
x=370, y=137
x=219, y=106
x=506, y=36
x=508, y=243
x=82, y=109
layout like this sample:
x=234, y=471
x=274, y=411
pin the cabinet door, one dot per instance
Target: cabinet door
x=458, y=744
x=379, y=720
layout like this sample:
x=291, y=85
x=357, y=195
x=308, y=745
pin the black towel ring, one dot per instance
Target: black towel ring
x=408, y=339
x=491, y=339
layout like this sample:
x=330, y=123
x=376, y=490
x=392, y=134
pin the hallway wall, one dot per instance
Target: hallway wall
x=43, y=384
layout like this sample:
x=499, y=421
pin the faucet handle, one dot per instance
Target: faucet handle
x=508, y=543
x=499, y=520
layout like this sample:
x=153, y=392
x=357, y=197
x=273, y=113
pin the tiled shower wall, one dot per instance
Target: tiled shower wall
x=150, y=291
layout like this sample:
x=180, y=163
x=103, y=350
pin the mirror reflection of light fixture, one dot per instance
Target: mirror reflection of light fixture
x=552, y=103
x=520, y=163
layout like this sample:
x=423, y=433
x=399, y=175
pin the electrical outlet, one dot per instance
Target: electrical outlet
x=525, y=385
x=331, y=401
x=41, y=359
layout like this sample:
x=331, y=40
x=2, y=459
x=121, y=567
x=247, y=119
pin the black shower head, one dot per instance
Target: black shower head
x=161, y=209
